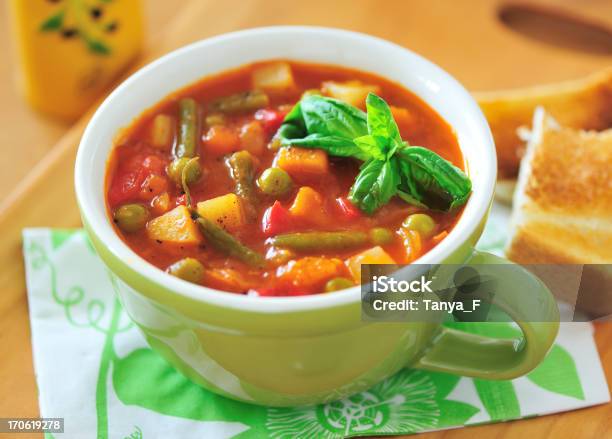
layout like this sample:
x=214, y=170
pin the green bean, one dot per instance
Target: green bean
x=188, y=269
x=338, y=283
x=422, y=223
x=131, y=217
x=188, y=127
x=215, y=119
x=190, y=170
x=242, y=171
x=320, y=241
x=225, y=243
x=381, y=236
x=275, y=182
x=241, y=102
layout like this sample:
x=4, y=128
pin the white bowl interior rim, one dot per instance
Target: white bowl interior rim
x=184, y=66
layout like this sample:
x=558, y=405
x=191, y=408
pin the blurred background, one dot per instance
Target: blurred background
x=486, y=44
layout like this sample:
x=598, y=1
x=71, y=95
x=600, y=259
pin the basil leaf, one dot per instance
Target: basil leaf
x=368, y=146
x=410, y=199
x=325, y=123
x=381, y=125
x=333, y=145
x=375, y=184
x=432, y=180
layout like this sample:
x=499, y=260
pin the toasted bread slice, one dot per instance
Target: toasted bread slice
x=563, y=201
x=562, y=211
x=582, y=104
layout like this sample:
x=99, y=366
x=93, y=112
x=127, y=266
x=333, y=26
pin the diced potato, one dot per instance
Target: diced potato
x=220, y=140
x=351, y=92
x=252, y=138
x=375, y=255
x=274, y=78
x=162, y=131
x=225, y=210
x=310, y=272
x=175, y=227
x=302, y=162
x=308, y=205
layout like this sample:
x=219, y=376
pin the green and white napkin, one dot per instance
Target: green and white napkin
x=94, y=369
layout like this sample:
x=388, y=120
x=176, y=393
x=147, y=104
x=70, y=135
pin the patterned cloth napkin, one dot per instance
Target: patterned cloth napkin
x=94, y=369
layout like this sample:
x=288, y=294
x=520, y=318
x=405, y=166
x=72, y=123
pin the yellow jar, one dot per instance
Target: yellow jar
x=71, y=50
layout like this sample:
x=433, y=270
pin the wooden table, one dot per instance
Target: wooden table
x=465, y=38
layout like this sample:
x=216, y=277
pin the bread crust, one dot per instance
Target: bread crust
x=582, y=104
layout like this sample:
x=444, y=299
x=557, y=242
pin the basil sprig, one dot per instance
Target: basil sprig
x=391, y=166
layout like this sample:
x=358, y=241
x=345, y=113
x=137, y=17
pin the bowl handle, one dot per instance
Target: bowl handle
x=528, y=302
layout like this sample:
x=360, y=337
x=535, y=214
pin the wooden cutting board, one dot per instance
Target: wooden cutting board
x=466, y=38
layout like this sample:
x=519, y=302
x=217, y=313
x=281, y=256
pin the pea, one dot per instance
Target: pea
x=381, y=236
x=338, y=283
x=175, y=170
x=131, y=217
x=275, y=182
x=422, y=223
x=188, y=269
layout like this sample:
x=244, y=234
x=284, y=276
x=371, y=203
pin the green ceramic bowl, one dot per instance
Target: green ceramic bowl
x=286, y=351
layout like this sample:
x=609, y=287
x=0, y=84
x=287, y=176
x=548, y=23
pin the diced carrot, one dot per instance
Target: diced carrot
x=227, y=279
x=153, y=186
x=310, y=272
x=302, y=162
x=252, y=138
x=308, y=206
x=225, y=210
x=375, y=255
x=220, y=140
x=439, y=237
x=160, y=204
x=175, y=227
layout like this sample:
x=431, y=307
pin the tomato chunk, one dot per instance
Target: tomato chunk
x=126, y=186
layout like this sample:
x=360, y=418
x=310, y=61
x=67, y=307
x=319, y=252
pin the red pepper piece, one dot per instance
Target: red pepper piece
x=270, y=119
x=276, y=219
x=348, y=209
